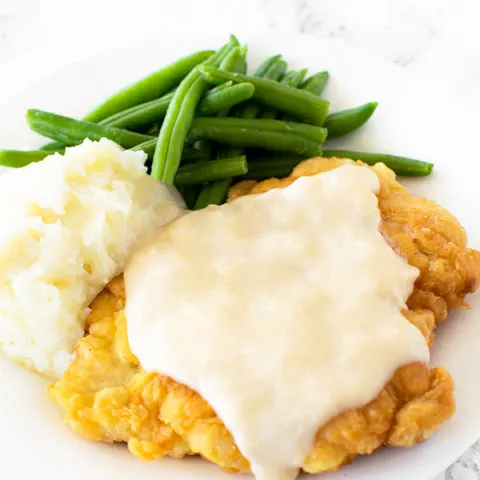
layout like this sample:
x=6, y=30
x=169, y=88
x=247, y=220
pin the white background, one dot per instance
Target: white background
x=437, y=39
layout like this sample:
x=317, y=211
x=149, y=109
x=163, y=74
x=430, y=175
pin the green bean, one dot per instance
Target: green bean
x=71, y=132
x=153, y=86
x=137, y=117
x=266, y=64
x=206, y=148
x=53, y=147
x=235, y=61
x=211, y=127
x=225, y=99
x=274, y=167
x=140, y=115
x=196, y=173
x=294, y=78
x=190, y=195
x=291, y=79
x=148, y=147
x=179, y=117
x=299, y=103
x=220, y=87
x=274, y=72
x=316, y=83
x=21, y=158
x=216, y=192
x=268, y=69
x=154, y=130
x=404, y=166
x=269, y=140
x=346, y=121
x=189, y=153
x=241, y=65
x=229, y=58
x=238, y=132
x=213, y=193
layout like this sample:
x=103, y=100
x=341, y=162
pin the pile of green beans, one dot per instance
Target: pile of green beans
x=272, y=68
x=216, y=192
x=196, y=173
x=72, y=132
x=291, y=79
x=179, y=117
x=148, y=88
x=301, y=104
x=147, y=113
x=204, y=124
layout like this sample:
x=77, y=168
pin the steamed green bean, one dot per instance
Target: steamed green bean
x=265, y=139
x=21, y=158
x=212, y=126
x=403, y=166
x=153, y=86
x=347, y=121
x=276, y=68
x=196, y=173
x=273, y=167
x=168, y=152
x=213, y=193
x=71, y=132
x=316, y=83
x=299, y=103
x=291, y=79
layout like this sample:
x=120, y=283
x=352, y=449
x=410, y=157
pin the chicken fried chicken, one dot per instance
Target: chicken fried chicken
x=107, y=396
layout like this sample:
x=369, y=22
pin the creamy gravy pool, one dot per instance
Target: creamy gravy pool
x=282, y=310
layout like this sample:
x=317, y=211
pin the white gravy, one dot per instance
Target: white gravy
x=282, y=310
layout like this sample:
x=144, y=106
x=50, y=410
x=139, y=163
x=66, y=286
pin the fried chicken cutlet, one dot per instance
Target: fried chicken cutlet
x=107, y=396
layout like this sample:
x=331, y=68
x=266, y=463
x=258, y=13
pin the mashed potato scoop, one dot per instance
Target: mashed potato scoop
x=69, y=224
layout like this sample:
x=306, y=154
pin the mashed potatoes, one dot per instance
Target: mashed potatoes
x=68, y=225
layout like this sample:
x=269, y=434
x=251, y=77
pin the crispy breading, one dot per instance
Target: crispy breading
x=107, y=396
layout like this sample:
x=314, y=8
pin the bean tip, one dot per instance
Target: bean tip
x=234, y=40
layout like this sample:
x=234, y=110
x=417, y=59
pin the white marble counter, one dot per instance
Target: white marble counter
x=435, y=38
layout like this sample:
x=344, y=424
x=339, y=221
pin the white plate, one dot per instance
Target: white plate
x=412, y=120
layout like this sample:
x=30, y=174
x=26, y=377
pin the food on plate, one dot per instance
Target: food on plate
x=153, y=86
x=69, y=224
x=108, y=396
x=262, y=167
x=347, y=121
x=316, y=83
x=296, y=102
x=168, y=153
x=292, y=79
x=287, y=330
x=162, y=114
x=215, y=193
x=72, y=132
x=268, y=134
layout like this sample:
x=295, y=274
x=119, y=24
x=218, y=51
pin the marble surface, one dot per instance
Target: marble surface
x=437, y=39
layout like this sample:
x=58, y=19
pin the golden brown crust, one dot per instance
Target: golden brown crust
x=107, y=396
